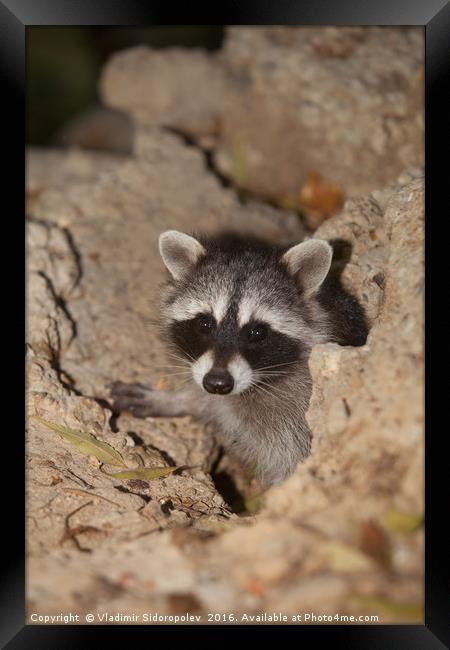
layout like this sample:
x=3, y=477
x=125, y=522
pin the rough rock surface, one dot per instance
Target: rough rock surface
x=172, y=544
x=277, y=103
x=343, y=534
x=51, y=168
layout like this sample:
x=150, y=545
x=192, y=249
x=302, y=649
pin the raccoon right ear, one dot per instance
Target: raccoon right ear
x=179, y=252
x=309, y=263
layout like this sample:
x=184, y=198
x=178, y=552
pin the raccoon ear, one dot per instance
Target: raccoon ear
x=309, y=262
x=179, y=252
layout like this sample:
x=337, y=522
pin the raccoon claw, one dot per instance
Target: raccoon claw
x=133, y=398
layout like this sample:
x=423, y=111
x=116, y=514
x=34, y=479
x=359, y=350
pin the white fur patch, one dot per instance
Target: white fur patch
x=246, y=309
x=220, y=306
x=188, y=307
x=279, y=321
x=241, y=372
x=202, y=366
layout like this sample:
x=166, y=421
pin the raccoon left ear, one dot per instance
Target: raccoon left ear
x=179, y=252
x=309, y=262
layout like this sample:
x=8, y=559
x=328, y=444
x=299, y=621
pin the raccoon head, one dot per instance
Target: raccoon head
x=242, y=312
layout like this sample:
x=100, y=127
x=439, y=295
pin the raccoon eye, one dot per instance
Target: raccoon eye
x=205, y=323
x=257, y=333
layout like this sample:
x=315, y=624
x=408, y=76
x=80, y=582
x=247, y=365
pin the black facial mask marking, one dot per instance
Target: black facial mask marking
x=273, y=350
x=192, y=337
x=195, y=336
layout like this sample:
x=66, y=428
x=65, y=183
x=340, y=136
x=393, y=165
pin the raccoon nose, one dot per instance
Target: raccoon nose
x=218, y=381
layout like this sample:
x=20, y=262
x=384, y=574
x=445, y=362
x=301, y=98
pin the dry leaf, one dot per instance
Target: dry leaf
x=344, y=558
x=143, y=473
x=320, y=198
x=256, y=587
x=253, y=504
x=414, y=611
x=403, y=522
x=374, y=542
x=86, y=443
x=217, y=526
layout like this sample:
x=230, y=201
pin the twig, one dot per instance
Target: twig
x=96, y=496
x=71, y=533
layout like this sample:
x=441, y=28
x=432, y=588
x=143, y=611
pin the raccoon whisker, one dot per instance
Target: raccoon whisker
x=167, y=369
x=276, y=385
x=164, y=373
x=184, y=381
x=168, y=366
x=272, y=373
x=257, y=386
x=261, y=378
x=173, y=354
x=278, y=365
x=272, y=381
x=269, y=390
x=274, y=392
x=181, y=382
x=179, y=358
x=186, y=353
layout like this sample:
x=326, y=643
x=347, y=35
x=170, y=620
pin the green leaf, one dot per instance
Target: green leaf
x=345, y=558
x=86, y=443
x=253, y=504
x=217, y=527
x=403, y=522
x=144, y=473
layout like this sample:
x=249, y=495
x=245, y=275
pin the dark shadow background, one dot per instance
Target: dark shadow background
x=63, y=86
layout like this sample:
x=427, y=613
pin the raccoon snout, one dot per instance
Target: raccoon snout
x=218, y=380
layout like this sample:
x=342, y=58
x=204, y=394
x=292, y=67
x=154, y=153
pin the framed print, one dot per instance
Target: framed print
x=225, y=321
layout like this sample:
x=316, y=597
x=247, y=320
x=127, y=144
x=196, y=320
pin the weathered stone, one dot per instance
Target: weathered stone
x=93, y=272
x=172, y=545
x=184, y=89
x=366, y=410
x=279, y=102
x=53, y=168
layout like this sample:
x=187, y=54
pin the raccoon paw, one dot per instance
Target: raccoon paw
x=136, y=399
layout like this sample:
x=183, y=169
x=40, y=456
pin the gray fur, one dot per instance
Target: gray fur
x=180, y=252
x=310, y=262
x=263, y=419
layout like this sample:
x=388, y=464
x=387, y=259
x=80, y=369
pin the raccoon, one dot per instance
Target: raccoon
x=242, y=315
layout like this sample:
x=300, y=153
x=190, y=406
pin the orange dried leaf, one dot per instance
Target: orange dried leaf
x=375, y=543
x=256, y=587
x=320, y=197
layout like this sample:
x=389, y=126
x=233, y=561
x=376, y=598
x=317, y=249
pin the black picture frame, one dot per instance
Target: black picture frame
x=15, y=17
